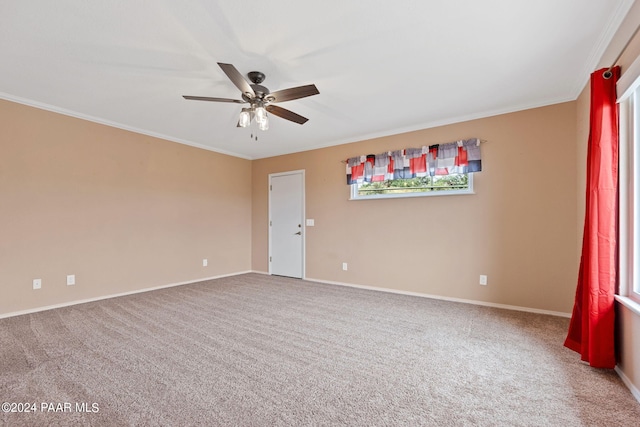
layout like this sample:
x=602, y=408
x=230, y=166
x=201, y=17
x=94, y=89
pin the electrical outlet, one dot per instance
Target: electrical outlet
x=345, y=266
x=37, y=283
x=205, y=262
x=483, y=280
x=71, y=279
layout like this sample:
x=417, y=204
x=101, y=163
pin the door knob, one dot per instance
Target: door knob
x=298, y=233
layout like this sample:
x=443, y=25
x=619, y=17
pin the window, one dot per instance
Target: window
x=629, y=248
x=434, y=170
x=457, y=183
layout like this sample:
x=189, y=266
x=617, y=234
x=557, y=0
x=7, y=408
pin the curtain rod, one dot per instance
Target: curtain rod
x=481, y=141
x=608, y=74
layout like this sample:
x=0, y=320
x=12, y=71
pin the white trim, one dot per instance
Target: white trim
x=625, y=205
x=469, y=190
x=440, y=297
x=629, y=303
x=604, y=45
x=624, y=29
x=303, y=221
x=100, y=298
x=348, y=140
x=634, y=390
x=424, y=125
x=354, y=195
x=70, y=113
x=629, y=183
x=629, y=81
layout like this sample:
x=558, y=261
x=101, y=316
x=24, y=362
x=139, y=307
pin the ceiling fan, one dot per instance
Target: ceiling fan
x=259, y=98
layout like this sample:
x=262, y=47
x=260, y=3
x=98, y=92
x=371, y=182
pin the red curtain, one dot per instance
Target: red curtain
x=591, y=331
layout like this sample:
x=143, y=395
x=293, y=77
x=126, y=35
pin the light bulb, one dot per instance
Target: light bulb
x=261, y=114
x=245, y=118
x=264, y=124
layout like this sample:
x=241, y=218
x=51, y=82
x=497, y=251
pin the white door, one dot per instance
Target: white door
x=286, y=231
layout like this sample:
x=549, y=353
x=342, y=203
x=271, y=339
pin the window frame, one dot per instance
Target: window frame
x=629, y=187
x=469, y=190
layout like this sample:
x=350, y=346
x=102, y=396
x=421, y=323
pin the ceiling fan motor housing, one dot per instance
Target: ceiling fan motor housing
x=256, y=77
x=260, y=91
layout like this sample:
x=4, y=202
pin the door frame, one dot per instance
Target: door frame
x=303, y=221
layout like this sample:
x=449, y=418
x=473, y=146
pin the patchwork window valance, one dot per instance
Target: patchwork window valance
x=440, y=159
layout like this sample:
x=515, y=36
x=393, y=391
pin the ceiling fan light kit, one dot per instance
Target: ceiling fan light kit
x=261, y=113
x=245, y=117
x=259, y=98
x=263, y=123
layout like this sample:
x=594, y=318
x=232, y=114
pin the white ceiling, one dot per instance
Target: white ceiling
x=381, y=67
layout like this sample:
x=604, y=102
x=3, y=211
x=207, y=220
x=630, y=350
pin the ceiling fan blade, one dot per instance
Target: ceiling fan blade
x=294, y=93
x=286, y=114
x=208, y=98
x=237, y=79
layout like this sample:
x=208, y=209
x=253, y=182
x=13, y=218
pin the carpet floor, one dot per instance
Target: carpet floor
x=258, y=350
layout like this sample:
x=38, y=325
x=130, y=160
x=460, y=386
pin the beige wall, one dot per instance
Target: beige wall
x=582, y=136
x=519, y=228
x=121, y=211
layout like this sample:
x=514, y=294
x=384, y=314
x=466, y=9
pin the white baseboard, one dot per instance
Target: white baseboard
x=329, y=282
x=137, y=291
x=439, y=297
x=634, y=390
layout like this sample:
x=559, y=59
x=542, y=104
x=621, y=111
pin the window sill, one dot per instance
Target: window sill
x=404, y=195
x=629, y=303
